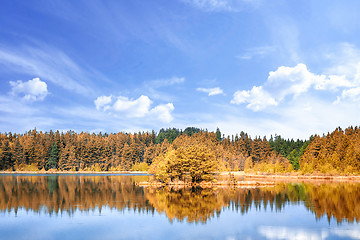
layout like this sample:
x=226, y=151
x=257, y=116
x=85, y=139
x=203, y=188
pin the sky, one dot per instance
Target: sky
x=290, y=68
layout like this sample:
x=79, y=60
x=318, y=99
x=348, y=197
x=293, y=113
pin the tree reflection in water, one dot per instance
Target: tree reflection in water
x=58, y=194
x=194, y=204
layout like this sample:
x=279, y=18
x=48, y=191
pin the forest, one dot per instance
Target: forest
x=335, y=153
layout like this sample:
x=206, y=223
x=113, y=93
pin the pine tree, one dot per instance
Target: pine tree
x=18, y=153
x=6, y=162
x=218, y=134
x=53, y=160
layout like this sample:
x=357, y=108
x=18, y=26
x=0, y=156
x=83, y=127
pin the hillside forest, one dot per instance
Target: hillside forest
x=335, y=153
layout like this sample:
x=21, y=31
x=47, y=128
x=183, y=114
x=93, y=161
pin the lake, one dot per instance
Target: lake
x=114, y=207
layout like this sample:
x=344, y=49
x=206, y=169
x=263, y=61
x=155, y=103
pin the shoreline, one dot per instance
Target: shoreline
x=294, y=177
x=224, y=183
x=73, y=172
x=251, y=176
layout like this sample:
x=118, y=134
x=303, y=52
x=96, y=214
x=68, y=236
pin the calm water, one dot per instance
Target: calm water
x=113, y=207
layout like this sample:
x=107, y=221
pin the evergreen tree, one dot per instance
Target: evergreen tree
x=191, y=130
x=218, y=134
x=53, y=159
x=290, y=149
x=18, y=153
x=6, y=161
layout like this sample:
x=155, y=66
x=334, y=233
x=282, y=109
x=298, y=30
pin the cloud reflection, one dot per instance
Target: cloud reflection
x=286, y=233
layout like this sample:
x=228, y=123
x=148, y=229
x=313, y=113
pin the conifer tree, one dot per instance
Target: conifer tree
x=53, y=160
x=218, y=134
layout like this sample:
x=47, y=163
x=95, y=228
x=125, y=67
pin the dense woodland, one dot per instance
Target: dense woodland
x=337, y=152
x=36, y=150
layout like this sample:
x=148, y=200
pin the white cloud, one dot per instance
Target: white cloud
x=293, y=82
x=257, y=98
x=138, y=108
x=352, y=94
x=211, y=91
x=33, y=90
x=163, y=112
x=333, y=82
x=102, y=102
x=133, y=108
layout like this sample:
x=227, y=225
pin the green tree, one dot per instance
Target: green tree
x=218, y=134
x=294, y=159
x=18, y=153
x=6, y=156
x=53, y=159
x=191, y=130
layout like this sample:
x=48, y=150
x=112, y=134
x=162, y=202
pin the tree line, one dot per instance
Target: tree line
x=37, y=150
x=335, y=153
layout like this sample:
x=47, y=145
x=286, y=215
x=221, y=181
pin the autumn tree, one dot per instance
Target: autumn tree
x=192, y=163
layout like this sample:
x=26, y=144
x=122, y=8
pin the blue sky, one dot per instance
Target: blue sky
x=263, y=67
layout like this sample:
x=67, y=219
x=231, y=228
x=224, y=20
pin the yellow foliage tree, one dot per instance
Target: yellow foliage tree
x=195, y=163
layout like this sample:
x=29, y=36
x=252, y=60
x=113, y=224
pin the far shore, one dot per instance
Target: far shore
x=73, y=172
x=293, y=177
x=237, y=174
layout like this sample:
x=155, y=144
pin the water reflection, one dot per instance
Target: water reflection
x=193, y=205
x=273, y=232
x=58, y=194
x=68, y=193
